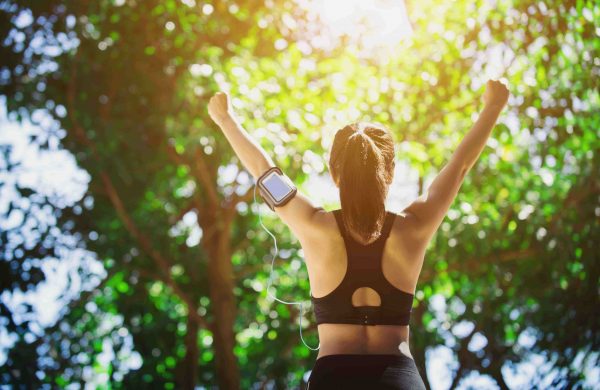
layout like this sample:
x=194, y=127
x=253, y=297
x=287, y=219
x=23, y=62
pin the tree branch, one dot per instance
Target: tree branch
x=203, y=172
x=510, y=255
x=161, y=262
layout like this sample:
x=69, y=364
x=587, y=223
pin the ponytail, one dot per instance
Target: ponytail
x=363, y=162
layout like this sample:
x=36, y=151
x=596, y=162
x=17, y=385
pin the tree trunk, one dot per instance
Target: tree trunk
x=496, y=373
x=223, y=306
x=190, y=369
x=457, y=378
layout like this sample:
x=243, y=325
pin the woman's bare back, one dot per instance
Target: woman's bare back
x=326, y=260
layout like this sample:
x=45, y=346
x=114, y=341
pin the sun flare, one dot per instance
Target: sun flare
x=370, y=25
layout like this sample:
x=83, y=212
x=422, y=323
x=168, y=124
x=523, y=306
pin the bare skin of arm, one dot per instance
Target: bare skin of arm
x=251, y=154
x=430, y=208
x=300, y=214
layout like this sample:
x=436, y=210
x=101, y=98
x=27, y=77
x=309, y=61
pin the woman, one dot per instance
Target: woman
x=363, y=261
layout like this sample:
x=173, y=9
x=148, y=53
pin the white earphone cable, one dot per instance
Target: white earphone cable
x=271, y=276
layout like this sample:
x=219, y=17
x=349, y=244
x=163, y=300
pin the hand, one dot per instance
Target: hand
x=496, y=93
x=219, y=107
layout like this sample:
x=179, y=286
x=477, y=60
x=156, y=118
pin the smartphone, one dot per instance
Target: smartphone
x=277, y=186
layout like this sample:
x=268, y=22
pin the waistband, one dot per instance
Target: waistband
x=364, y=358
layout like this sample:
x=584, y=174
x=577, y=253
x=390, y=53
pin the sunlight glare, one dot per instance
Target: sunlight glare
x=369, y=24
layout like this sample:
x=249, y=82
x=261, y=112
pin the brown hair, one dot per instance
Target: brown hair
x=362, y=165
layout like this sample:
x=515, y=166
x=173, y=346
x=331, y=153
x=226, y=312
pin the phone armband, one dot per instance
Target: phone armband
x=276, y=188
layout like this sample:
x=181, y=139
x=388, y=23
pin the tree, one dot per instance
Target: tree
x=515, y=256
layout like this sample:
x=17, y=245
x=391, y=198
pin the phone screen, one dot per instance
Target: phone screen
x=276, y=186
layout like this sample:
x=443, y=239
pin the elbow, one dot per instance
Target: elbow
x=466, y=167
x=460, y=164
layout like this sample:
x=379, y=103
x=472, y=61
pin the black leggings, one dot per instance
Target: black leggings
x=381, y=371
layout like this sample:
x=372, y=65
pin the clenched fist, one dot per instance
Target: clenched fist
x=496, y=93
x=219, y=107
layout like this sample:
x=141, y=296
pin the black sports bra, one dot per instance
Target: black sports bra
x=364, y=270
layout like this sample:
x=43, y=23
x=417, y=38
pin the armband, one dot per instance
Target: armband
x=275, y=188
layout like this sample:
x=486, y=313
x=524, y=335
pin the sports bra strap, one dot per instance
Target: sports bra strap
x=338, y=219
x=387, y=225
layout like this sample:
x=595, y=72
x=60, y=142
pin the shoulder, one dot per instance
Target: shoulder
x=406, y=230
x=323, y=226
x=405, y=222
x=325, y=221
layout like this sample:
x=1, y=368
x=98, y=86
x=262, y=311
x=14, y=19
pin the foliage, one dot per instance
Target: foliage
x=515, y=258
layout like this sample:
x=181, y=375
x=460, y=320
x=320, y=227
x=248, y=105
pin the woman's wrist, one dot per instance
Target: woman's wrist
x=225, y=119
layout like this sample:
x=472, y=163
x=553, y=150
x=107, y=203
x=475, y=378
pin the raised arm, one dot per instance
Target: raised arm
x=299, y=214
x=430, y=208
x=251, y=154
